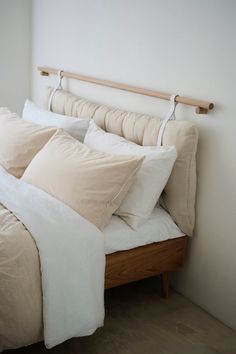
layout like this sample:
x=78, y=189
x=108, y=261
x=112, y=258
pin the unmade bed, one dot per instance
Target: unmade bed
x=157, y=247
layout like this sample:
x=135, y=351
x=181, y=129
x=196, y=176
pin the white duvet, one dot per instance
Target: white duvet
x=72, y=260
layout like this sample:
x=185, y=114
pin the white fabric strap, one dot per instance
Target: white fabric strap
x=58, y=87
x=170, y=116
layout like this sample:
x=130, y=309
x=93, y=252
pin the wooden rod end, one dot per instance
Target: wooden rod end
x=44, y=73
x=201, y=110
x=204, y=110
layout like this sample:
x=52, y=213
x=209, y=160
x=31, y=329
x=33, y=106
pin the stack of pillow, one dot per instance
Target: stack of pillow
x=94, y=172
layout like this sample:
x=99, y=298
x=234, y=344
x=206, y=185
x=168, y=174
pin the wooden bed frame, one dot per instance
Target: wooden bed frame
x=147, y=261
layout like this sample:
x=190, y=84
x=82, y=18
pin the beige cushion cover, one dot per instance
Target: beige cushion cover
x=178, y=197
x=20, y=141
x=21, y=315
x=92, y=183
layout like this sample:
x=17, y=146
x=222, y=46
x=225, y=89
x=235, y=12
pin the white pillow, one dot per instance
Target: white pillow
x=77, y=127
x=149, y=182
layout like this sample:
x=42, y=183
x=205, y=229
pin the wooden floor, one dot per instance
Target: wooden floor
x=139, y=321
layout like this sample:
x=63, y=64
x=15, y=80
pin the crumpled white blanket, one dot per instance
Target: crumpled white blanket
x=72, y=260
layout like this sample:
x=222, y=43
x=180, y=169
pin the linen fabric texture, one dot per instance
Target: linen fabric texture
x=20, y=141
x=92, y=183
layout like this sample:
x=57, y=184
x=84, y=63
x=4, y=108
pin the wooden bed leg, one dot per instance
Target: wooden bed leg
x=165, y=285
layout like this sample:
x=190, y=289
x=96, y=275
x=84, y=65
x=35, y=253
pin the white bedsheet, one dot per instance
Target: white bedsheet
x=160, y=227
x=72, y=260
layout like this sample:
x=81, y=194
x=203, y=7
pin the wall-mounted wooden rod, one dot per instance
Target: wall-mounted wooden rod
x=202, y=106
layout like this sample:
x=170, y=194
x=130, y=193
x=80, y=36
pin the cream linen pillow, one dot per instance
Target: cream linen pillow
x=90, y=182
x=150, y=180
x=20, y=141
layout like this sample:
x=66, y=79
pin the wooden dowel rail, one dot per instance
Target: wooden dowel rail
x=202, y=107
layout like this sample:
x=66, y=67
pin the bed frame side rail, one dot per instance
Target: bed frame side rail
x=147, y=261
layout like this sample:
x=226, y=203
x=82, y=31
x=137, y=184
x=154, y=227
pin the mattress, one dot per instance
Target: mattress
x=119, y=236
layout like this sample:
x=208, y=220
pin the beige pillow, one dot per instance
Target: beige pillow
x=20, y=141
x=92, y=183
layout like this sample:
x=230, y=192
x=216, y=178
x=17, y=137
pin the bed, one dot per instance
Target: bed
x=157, y=249
x=178, y=198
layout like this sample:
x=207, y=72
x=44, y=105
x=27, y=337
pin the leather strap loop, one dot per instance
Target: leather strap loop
x=170, y=116
x=58, y=87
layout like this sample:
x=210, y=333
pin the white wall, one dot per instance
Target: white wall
x=185, y=47
x=15, y=53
